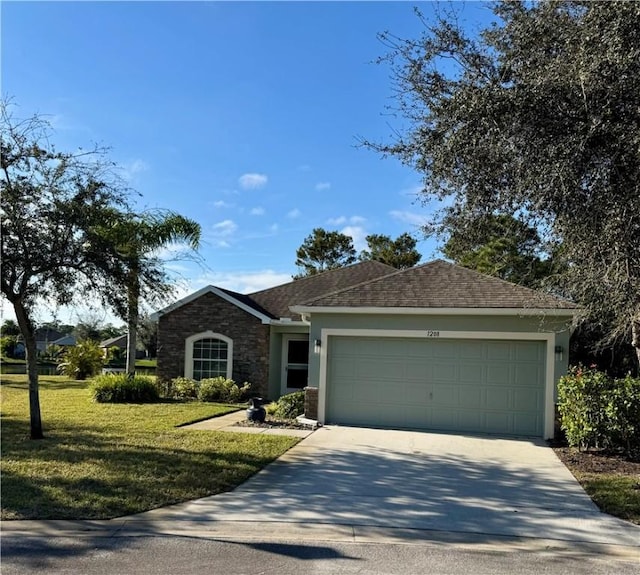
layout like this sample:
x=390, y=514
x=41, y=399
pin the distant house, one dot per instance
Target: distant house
x=65, y=341
x=119, y=341
x=45, y=336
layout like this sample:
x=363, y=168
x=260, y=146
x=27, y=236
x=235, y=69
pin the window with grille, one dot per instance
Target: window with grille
x=208, y=354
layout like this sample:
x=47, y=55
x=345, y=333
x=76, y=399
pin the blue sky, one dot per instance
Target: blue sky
x=244, y=116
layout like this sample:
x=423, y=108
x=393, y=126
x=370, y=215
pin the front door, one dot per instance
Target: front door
x=295, y=362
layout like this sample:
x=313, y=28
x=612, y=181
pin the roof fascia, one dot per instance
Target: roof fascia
x=482, y=311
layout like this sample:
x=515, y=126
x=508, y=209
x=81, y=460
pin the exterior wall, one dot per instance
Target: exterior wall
x=275, y=354
x=524, y=324
x=211, y=313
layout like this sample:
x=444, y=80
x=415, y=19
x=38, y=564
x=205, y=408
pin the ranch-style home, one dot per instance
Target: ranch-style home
x=436, y=347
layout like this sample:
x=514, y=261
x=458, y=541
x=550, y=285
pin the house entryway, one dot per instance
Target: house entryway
x=295, y=362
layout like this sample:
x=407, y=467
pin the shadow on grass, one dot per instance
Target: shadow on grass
x=86, y=473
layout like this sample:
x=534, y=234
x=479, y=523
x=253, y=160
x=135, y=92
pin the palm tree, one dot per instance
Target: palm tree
x=137, y=239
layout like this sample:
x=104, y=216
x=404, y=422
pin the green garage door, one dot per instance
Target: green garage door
x=456, y=385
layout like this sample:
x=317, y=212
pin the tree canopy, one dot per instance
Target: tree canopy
x=400, y=253
x=136, y=239
x=68, y=233
x=538, y=115
x=502, y=246
x=322, y=250
x=51, y=203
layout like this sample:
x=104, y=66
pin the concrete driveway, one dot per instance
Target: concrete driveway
x=354, y=478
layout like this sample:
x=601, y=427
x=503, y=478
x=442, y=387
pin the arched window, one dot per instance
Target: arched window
x=208, y=354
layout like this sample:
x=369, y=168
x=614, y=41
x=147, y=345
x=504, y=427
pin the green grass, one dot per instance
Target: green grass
x=146, y=363
x=617, y=495
x=109, y=460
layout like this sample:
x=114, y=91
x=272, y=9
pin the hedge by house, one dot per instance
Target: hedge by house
x=598, y=411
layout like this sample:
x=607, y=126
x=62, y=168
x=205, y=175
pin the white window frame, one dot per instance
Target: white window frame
x=188, y=351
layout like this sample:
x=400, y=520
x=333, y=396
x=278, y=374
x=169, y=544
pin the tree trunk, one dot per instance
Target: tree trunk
x=133, y=297
x=635, y=336
x=28, y=333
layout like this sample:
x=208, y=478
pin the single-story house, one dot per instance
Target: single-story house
x=68, y=340
x=119, y=341
x=435, y=347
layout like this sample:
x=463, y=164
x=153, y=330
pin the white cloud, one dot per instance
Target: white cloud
x=221, y=231
x=341, y=220
x=224, y=228
x=320, y=186
x=252, y=181
x=222, y=204
x=274, y=227
x=295, y=213
x=259, y=211
x=408, y=217
x=131, y=169
x=358, y=234
x=242, y=282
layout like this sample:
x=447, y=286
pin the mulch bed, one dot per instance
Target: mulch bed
x=273, y=424
x=593, y=461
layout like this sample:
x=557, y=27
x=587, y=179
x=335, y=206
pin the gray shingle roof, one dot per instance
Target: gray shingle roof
x=277, y=300
x=439, y=284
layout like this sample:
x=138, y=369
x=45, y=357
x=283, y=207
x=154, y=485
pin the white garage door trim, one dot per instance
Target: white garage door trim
x=549, y=338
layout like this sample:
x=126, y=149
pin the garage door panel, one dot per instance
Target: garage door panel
x=525, y=399
x=415, y=393
x=444, y=371
x=527, y=375
x=466, y=385
x=498, y=398
x=472, y=397
x=498, y=374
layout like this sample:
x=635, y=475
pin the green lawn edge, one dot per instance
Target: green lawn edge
x=102, y=461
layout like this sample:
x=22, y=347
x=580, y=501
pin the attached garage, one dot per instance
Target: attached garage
x=439, y=347
x=452, y=384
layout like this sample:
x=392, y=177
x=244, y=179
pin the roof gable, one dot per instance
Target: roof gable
x=438, y=284
x=242, y=301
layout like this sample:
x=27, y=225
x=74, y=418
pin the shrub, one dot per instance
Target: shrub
x=8, y=345
x=118, y=388
x=623, y=410
x=223, y=390
x=82, y=360
x=184, y=388
x=290, y=406
x=598, y=411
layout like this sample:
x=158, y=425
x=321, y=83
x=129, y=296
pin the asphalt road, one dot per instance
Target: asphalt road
x=177, y=555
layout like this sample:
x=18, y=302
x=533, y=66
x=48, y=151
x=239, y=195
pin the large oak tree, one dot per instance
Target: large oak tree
x=537, y=115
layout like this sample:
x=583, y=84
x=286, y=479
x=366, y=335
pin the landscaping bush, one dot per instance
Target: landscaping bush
x=290, y=406
x=183, y=388
x=118, y=388
x=223, y=390
x=599, y=412
x=82, y=360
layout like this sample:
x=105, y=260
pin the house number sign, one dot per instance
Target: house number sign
x=433, y=333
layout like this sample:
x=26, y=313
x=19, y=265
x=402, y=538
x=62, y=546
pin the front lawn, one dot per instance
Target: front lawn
x=109, y=460
x=612, y=481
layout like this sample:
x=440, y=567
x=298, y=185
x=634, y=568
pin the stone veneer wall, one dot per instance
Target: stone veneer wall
x=311, y=402
x=211, y=313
